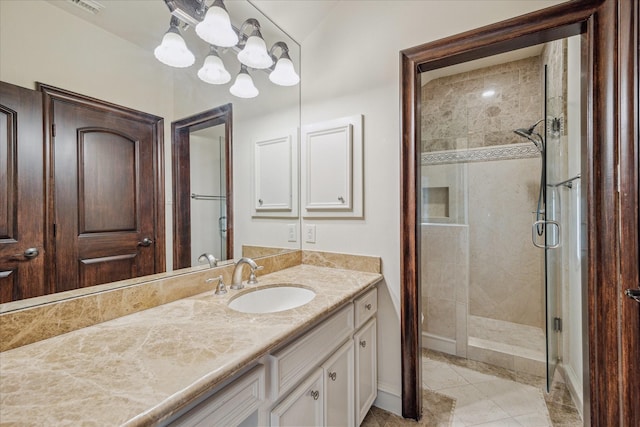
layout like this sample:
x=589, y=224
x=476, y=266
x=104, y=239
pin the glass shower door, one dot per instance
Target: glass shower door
x=553, y=159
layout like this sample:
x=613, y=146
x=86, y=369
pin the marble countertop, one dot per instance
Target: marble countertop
x=142, y=368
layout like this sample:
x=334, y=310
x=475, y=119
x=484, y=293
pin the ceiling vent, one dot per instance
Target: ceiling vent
x=91, y=6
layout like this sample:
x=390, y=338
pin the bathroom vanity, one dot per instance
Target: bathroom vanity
x=196, y=360
x=327, y=376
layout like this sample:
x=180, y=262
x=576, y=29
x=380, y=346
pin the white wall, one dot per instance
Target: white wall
x=350, y=65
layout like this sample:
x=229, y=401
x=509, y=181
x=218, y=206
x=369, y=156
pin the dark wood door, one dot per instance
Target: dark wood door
x=21, y=194
x=104, y=215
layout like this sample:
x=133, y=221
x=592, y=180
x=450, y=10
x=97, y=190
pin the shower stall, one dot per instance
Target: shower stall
x=499, y=200
x=208, y=193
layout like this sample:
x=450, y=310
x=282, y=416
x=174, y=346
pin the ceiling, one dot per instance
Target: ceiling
x=143, y=22
x=295, y=17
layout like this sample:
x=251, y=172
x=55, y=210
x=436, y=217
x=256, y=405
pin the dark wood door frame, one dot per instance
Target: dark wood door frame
x=180, y=131
x=610, y=44
x=51, y=93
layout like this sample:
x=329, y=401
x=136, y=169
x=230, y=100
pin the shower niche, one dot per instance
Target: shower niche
x=443, y=198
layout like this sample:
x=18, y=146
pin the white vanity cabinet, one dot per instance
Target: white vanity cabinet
x=366, y=372
x=232, y=405
x=339, y=387
x=325, y=377
x=342, y=350
x=304, y=406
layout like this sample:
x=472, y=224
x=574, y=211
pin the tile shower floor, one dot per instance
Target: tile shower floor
x=459, y=392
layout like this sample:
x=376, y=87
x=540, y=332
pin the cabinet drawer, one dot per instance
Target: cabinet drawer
x=365, y=307
x=229, y=406
x=293, y=362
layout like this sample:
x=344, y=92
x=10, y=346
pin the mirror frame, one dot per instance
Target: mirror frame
x=180, y=137
x=609, y=31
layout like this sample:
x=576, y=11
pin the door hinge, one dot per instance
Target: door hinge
x=55, y=229
x=557, y=324
x=53, y=130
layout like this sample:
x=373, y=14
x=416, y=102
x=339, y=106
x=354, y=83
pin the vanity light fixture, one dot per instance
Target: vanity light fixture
x=213, y=25
x=243, y=86
x=173, y=51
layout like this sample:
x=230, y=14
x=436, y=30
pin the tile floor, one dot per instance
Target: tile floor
x=462, y=393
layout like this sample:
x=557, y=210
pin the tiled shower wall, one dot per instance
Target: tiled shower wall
x=455, y=115
x=485, y=265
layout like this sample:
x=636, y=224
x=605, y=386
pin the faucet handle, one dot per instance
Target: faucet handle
x=252, y=276
x=221, y=289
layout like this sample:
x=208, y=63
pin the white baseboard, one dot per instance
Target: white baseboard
x=575, y=388
x=438, y=343
x=389, y=399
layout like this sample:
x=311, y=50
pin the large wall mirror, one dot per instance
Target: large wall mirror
x=107, y=54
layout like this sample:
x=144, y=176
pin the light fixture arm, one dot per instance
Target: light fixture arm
x=284, y=51
x=254, y=25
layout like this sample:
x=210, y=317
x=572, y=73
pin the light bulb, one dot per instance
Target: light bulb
x=216, y=28
x=243, y=86
x=284, y=74
x=255, y=53
x=173, y=51
x=213, y=71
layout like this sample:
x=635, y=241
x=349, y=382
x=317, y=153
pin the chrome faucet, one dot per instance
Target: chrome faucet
x=236, y=280
x=213, y=262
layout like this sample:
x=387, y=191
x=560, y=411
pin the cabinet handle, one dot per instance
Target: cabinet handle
x=315, y=394
x=260, y=202
x=363, y=343
x=341, y=199
x=333, y=375
x=368, y=306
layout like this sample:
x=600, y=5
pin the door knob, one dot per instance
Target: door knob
x=145, y=242
x=31, y=253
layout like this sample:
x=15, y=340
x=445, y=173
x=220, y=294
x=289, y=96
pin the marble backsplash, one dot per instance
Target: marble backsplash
x=25, y=322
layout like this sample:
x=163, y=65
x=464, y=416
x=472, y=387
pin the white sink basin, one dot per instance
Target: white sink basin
x=272, y=299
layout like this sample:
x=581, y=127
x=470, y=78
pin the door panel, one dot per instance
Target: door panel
x=108, y=269
x=21, y=194
x=107, y=173
x=104, y=198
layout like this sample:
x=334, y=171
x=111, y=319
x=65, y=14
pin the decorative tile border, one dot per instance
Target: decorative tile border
x=484, y=154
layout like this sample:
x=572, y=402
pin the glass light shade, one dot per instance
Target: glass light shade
x=216, y=28
x=255, y=53
x=284, y=74
x=213, y=71
x=173, y=51
x=243, y=86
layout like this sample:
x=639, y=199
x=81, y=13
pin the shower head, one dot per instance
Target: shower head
x=529, y=133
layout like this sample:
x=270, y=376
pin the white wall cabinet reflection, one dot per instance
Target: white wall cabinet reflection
x=275, y=171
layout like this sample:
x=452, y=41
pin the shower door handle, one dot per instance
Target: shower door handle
x=544, y=223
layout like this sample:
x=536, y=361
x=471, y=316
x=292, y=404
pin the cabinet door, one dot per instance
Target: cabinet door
x=304, y=406
x=338, y=387
x=366, y=369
